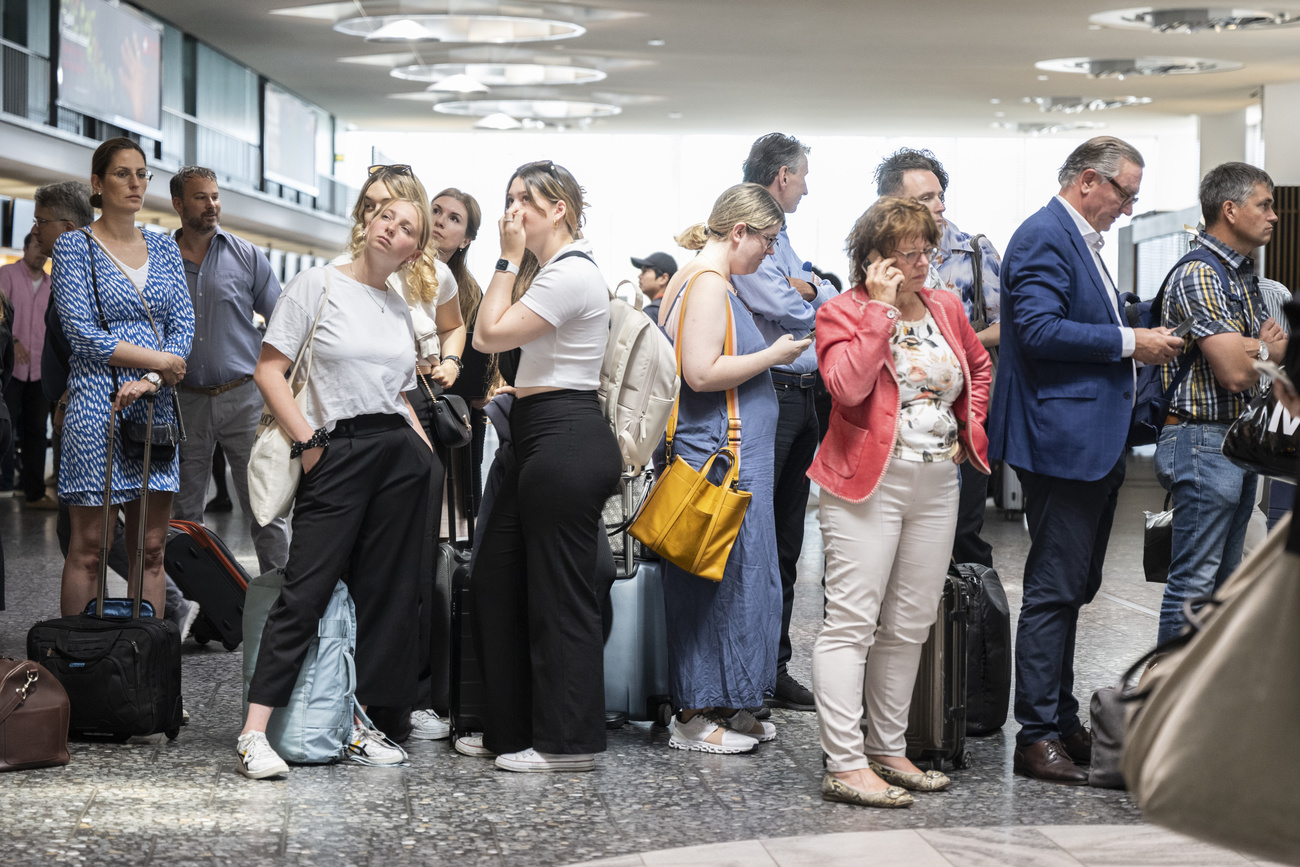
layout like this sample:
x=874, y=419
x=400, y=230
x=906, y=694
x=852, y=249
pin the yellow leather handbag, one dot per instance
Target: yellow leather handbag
x=686, y=519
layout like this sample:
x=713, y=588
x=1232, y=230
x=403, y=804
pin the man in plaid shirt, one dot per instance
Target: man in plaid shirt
x=1212, y=497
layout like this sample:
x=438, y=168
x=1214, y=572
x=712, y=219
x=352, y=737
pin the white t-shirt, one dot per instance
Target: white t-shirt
x=424, y=314
x=571, y=295
x=363, y=357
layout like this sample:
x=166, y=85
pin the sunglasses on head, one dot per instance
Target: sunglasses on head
x=398, y=169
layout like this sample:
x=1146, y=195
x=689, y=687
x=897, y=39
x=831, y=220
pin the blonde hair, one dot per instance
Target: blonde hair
x=744, y=203
x=403, y=186
x=885, y=224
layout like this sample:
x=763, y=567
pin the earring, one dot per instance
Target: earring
x=555, y=222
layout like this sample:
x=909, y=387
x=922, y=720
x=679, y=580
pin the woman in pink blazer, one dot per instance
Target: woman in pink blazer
x=909, y=384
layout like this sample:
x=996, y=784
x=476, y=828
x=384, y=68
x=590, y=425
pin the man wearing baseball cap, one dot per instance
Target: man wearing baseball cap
x=656, y=270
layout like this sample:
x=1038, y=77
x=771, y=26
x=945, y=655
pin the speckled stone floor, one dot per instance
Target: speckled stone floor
x=183, y=803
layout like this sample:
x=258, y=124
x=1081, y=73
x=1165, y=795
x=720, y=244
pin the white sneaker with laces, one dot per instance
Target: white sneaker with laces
x=257, y=760
x=370, y=747
x=472, y=745
x=530, y=761
x=705, y=735
x=426, y=725
x=746, y=723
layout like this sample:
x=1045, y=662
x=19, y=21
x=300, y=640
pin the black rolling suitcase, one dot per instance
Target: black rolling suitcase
x=988, y=650
x=120, y=665
x=936, y=726
x=205, y=570
x=465, y=692
x=449, y=557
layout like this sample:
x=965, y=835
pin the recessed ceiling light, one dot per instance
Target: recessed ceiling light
x=1194, y=20
x=499, y=120
x=1042, y=78
x=995, y=101
x=549, y=109
x=1077, y=104
x=999, y=114
x=1124, y=67
x=502, y=74
x=674, y=115
x=459, y=83
x=656, y=43
x=457, y=28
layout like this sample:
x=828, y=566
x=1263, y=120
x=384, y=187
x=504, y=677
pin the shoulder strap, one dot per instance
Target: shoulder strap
x=1208, y=257
x=305, y=351
x=980, y=309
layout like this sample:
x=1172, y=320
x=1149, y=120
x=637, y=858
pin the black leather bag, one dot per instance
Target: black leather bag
x=166, y=438
x=1158, y=543
x=1263, y=440
x=988, y=650
x=447, y=416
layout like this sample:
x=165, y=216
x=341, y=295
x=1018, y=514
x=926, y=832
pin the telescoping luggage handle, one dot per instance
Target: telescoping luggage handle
x=138, y=597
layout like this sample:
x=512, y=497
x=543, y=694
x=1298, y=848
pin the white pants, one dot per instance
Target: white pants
x=886, y=559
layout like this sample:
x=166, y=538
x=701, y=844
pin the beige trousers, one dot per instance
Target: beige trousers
x=886, y=559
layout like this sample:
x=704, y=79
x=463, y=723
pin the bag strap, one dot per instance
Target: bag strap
x=1205, y=256
x=15, y=685
x=305, y=352
x=978, y=305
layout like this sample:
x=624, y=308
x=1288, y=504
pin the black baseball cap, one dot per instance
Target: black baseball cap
x=661, y=262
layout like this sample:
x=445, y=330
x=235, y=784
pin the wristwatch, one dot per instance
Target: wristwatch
x=1263, y=351
x=156, y=381
x=454, y=359
x=508, y=266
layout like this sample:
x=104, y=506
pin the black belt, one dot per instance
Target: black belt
x=213, y=391
x=802, y=380
x=364, y=425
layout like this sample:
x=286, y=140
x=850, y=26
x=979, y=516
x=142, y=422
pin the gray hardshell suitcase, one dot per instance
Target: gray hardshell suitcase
x=636, y=652
x=936, y=726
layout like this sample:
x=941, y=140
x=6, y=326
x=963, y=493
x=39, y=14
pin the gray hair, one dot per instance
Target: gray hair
x=889, y=174
x=1229, y=182
x=67, y=200
x=187, y=172
x=1103, y=154
x=769, y=154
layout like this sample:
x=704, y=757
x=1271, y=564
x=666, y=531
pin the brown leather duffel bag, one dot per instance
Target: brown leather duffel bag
x=34, y=716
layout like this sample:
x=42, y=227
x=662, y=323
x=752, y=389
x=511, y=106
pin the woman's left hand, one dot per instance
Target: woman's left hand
x=445, y=374
x=129, y=392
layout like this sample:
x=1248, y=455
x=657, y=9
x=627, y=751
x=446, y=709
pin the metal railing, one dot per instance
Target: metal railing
x=24, y=83
x=188, y=141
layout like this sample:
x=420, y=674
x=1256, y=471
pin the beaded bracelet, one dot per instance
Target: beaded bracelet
x=319, y=439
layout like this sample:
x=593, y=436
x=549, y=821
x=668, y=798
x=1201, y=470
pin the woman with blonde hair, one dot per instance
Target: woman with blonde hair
x=537, y=604
x=722, y=637
x=363, y=497
x=909, y=384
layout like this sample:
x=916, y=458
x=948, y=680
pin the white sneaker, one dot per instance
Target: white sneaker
x=472, y=745
x=371, y=747
x=530, y=761
x=257, y=760
x=428, y=726
x=746, y=723
x=187, y=622
x=696, y=734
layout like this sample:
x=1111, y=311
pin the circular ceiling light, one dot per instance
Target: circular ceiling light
x=459, y=83
x=1194, y=20
x=1125, y=67
x=498, y=121
x=458, y=28
x=1077, y=104
x=548, y=109
x=501, y=74
x=1036, y=129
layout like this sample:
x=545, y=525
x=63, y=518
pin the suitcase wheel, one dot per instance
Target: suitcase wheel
x=663, y=714
x=962, y=760
x=172, y=733
x=232, y=647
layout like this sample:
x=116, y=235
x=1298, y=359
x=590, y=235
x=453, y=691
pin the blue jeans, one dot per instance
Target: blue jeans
x=1212, y=499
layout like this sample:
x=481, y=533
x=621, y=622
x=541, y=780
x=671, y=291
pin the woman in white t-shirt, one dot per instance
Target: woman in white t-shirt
x=362, y=501
x=537, y=606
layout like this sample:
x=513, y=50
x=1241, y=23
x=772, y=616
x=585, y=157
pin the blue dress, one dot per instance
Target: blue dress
x=90, y=382
x=722, y=637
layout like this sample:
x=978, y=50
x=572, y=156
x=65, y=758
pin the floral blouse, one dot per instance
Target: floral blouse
x=929, y=381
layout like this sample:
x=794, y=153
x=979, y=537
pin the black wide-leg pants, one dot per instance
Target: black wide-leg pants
x=535, y=594
x=359, y=516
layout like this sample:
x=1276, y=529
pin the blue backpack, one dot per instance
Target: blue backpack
x=1151, y=404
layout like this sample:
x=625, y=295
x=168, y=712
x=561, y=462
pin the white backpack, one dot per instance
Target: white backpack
x=638, y=380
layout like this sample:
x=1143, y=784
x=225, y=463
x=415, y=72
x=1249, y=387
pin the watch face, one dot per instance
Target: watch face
x=503, y=265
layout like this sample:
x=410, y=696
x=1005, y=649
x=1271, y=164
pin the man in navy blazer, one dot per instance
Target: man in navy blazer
x=1060, y=417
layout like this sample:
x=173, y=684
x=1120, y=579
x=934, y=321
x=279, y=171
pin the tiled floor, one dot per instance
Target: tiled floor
x=183, y=803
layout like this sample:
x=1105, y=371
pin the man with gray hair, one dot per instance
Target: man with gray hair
x=1230, y=328
x=1060, y=417
x=784, y=294
x=229, y=280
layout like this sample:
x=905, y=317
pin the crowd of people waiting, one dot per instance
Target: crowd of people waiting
x=885, y=395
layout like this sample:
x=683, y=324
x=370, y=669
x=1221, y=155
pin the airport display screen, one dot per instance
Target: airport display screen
x=110, y=65
x=290, y=141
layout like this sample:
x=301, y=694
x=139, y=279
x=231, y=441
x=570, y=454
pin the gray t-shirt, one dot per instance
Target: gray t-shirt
x=572, y=296
x=364, y=352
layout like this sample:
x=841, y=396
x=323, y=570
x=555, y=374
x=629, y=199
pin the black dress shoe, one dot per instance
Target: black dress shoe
x=1079, y=746
x=791, y=694
x=219, y=504
x=1048, y=761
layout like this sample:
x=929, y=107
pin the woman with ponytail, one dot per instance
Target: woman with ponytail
x=722, y=636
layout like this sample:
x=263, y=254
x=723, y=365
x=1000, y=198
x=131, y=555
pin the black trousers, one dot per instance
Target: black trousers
x=359, y=516
x=967, y=545
x=797, y=436
x=31, y=412
x=536, y=596
x=1069, y=529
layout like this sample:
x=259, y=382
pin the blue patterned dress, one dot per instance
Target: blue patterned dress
x=722, y=637
x=90, y=383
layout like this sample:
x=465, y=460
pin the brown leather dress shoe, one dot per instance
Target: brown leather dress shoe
x=1079, y=746
x=1048, y=761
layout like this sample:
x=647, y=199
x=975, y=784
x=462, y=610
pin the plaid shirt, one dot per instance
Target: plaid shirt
x=1194, y=290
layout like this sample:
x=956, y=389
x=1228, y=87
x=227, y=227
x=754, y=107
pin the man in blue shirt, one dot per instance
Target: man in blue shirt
x=784, y=294
x=917, y=174
x=229, y=280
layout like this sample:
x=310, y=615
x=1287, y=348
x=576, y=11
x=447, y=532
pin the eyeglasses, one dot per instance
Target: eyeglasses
x=770, y=239
x=912, y=257
x=40, y=223
x=1126, y=198
x=398, y=169
x=124, y=175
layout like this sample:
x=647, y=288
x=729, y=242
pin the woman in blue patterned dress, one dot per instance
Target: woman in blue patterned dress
x=138, y=332
x=722, y=637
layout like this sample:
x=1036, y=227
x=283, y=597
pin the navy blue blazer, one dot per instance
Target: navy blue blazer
x=1063, y=397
